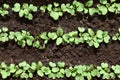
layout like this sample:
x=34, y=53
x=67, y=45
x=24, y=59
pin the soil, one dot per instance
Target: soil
x=70, y=54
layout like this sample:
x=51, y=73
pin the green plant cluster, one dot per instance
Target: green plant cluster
x=77, y=37
x=25, y=10
x=24, y=38
x=102, y=8
x=58, y=70
x=4, y=10
x=57, y=10
x=116, y=36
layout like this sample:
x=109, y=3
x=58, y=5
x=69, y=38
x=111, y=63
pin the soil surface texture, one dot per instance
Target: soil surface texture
x=70, y=54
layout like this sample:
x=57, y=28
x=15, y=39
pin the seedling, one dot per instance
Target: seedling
x=25, y=10
x=4, y=10
x=116, y=36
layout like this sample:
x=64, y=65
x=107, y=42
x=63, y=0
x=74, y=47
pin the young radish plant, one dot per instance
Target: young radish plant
x=24, y=38
x=102, y=8
x=57, y=70
x=116, y=36
x=54, y=10
x=4, y=10
x=25, y=10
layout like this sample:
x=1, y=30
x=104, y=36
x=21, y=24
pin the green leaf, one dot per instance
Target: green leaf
x=33, y=66
x=71, y=39
x=89, y=3
x=26, y=67
x=43, y=8
x=24, y=75
x=85, y=36
x=30, y=16
x=6, y=6
x=30, y=75
x=16, y=7
x=106, y=76
x=63, y=7
x=78, y=40
x=18, y=72
x=112, y=75
x=26, y=11
x=36, y=44
x=85, y=10
x=24, y=63
x=56, y=4
x=61, y=64
x=17, y=4
x=55, y=69
x=3, y=65
x=22, y=43
x=62, y=71
x=60, y=31
x=79, y=77
x=52, y=35
x=81, y=29
x=52, y=75
x=33, y=8
x=46, y=41
x=49, y=7
x=43, y=35
x=112, y=1
x=29, y=42
x=80, y=8
x=89, y=77
x=65, y=37
x=91, y=43
x=104, y=65
x=21, y=13
x=12, y=68
x=96, y=44
x=0, y=30
x=92, y=11
x=4, y=39
x=73, y=34
x=71, y=11
x=46, y=70
x=59, y=75
x=114, y=38
x=40, y=73
x=106, y=39
x=103, y=1
x=51, y=64
x=54, y=15
x=4, y=29
x=94, y=72
x=119, y=30
x=102, y=9
x=4, y=12
x=117, y=6
x=108, y=5
x=19, y=36
x=68, y=73
x=99, y=34
x=11, y=35
x=25, y=6
x=4, y=74
x=59, y=41
x=91, y=32
x=111, y=9
x=39, y=65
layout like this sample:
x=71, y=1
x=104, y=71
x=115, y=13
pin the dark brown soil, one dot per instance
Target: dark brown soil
x=71, y=54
